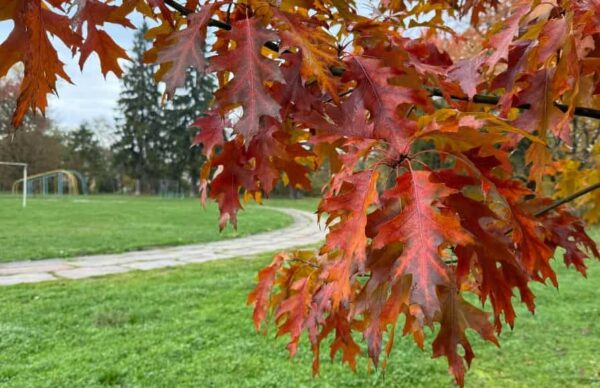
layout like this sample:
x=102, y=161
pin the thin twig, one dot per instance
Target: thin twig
x=309, y=263
x=568, y=199
x=228, y=18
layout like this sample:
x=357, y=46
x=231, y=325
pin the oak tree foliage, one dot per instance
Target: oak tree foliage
x=304, y=83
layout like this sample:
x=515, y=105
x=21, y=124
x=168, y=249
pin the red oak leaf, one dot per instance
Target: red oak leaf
x=317, y=48
x=350, y=207
x=233, y=173
x=568, y=231
x=275, y=153
x=260, y=296
x=93, y=14
x=425, y=228
x=457, y=316
x=29, y=43
x=293, y=96
x=292, y=313
x=186, y=49
x=211, y=131
x=499, y=269
x=250, y=70
x=377, y=92
x=466, y=73
x=343, y=341
x=501, y=40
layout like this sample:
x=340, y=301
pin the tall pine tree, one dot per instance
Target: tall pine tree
x=182, y=110
x=155, y=139
x=139, y=126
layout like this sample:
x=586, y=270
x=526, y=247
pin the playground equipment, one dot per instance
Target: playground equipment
x=53, y=182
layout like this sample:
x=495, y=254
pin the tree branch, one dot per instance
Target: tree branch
x=434, y=92
x=178, y=7
x=493, y=100
x=570, y=198
x=213, y=22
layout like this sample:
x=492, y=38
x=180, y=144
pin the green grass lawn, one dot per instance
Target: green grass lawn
x=71, y=226
x=190, y=327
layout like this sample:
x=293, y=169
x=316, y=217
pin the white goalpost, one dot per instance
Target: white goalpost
x=24, y=166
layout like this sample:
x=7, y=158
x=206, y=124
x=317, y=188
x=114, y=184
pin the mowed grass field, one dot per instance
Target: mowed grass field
x=83, y=225
x=190, y=327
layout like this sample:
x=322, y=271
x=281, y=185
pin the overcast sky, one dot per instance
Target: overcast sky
x=92, y=96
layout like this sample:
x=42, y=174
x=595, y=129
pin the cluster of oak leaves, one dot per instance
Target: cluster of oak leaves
x=319, y=85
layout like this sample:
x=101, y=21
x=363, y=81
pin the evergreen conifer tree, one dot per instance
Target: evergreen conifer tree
x=85, y=154
x=180, y=114
x=140, y=123
x=154, y=138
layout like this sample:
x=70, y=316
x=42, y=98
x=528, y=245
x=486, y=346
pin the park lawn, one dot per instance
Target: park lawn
x=72, y=226
x=190, y=327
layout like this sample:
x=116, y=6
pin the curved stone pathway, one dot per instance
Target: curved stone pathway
x=303, y=231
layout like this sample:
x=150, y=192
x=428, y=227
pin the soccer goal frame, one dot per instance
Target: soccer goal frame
x=24, y=166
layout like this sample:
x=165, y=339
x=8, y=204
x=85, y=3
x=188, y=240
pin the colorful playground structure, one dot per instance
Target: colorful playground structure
x=53, y=182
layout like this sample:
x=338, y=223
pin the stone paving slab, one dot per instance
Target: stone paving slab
x=303, y=231
x=89, y=272
x=30, y=263
x=25, y=278
x=203, y=259
x=117, y=260
x=148, y=265
x=35, y=268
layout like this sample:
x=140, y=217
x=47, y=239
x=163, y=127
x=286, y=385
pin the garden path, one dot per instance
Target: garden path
x=304, y=230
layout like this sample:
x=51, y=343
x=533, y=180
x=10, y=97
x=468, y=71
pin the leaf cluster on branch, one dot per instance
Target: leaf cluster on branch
x=423, y=204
